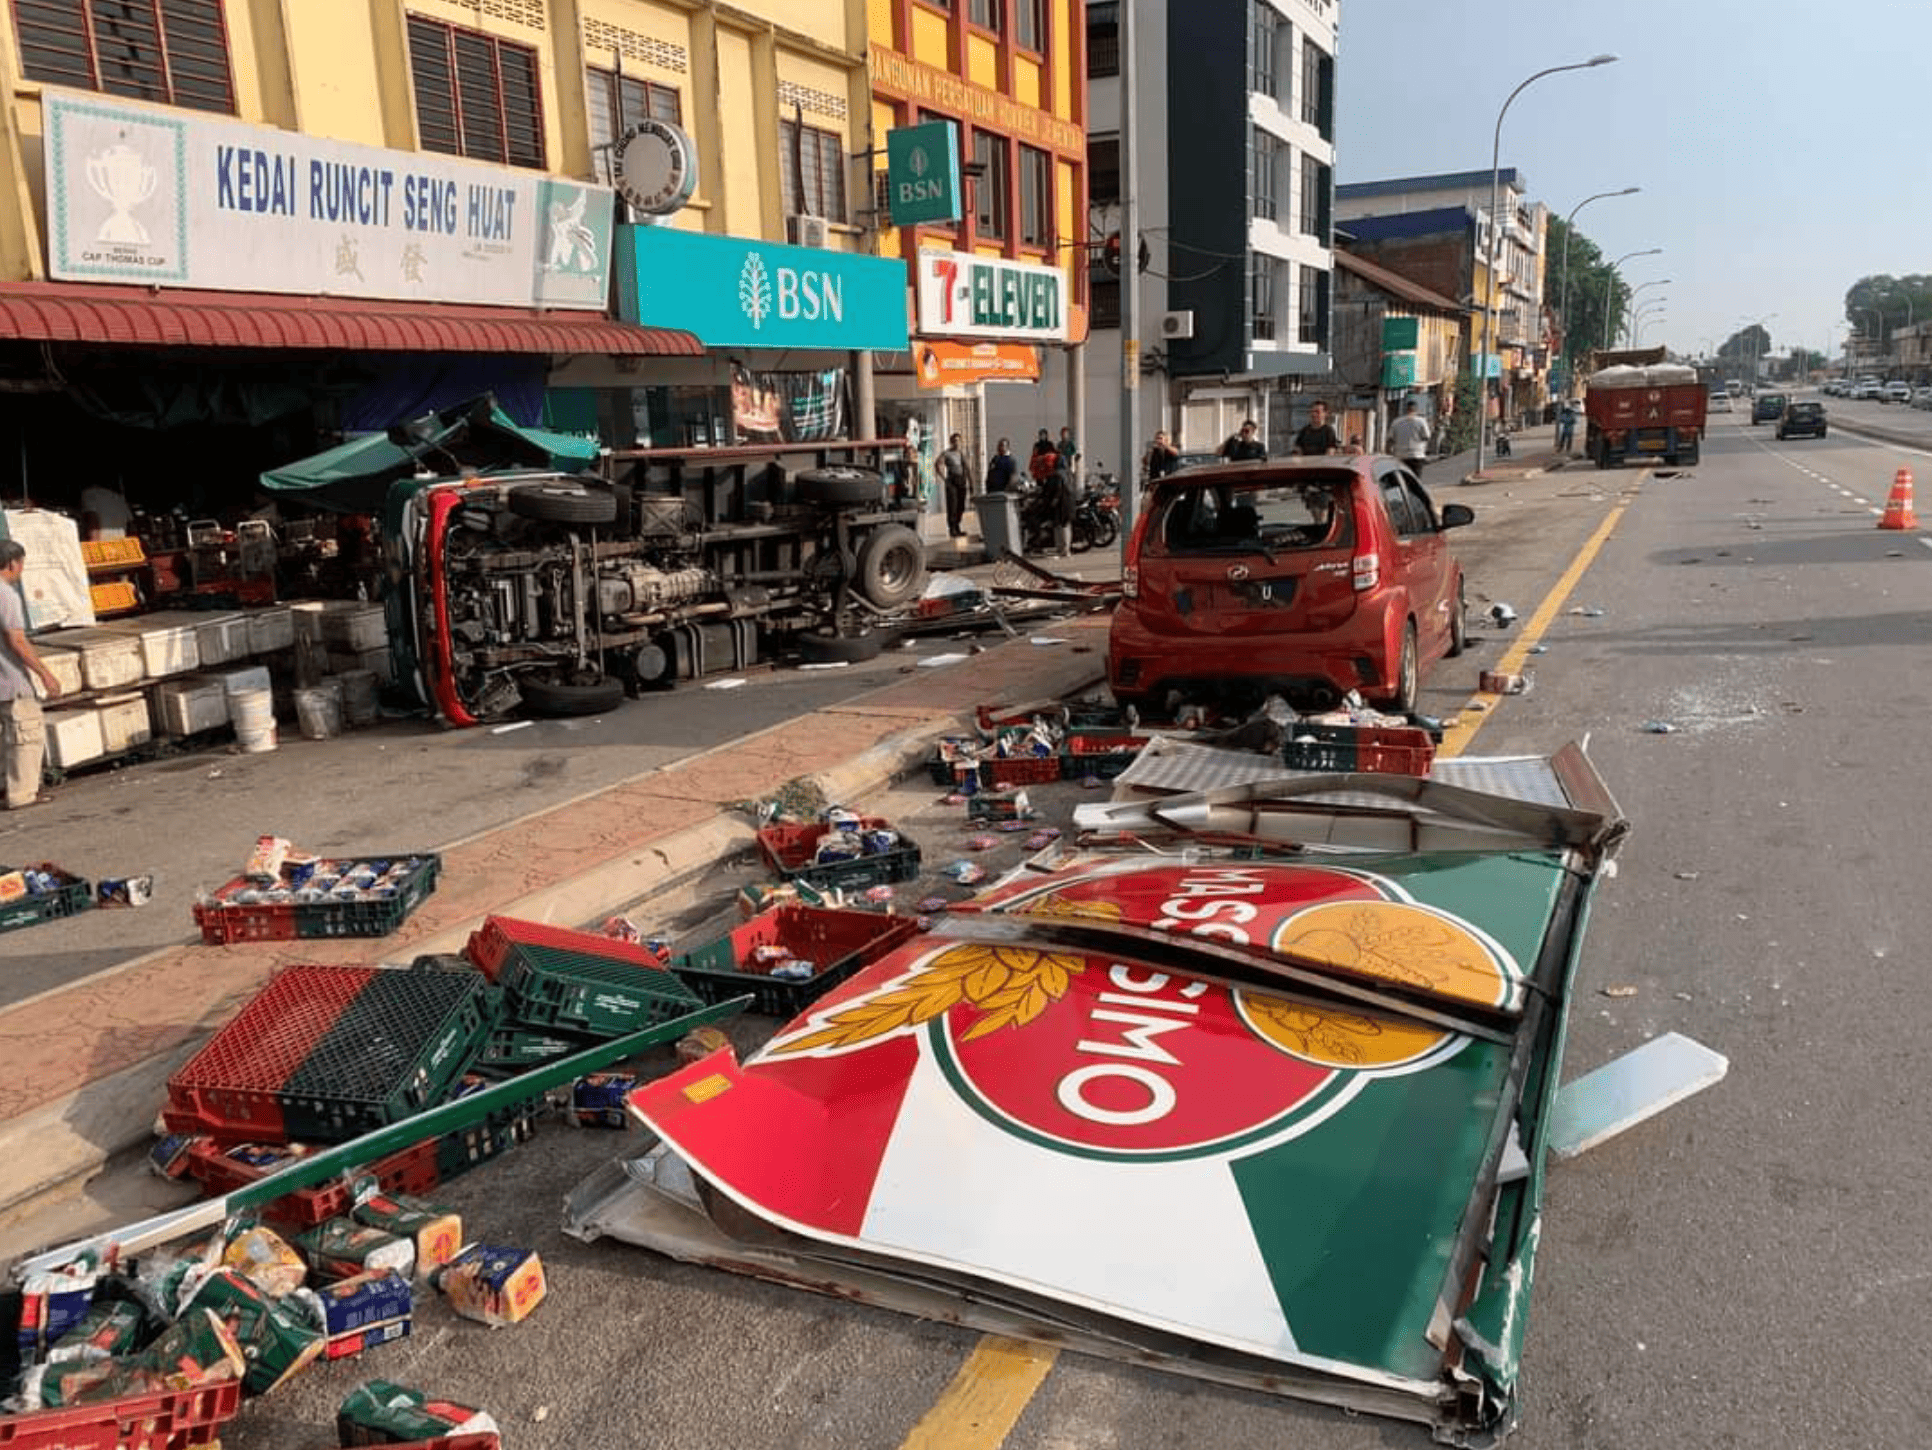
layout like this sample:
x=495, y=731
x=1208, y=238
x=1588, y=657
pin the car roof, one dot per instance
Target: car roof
x=1337, y=467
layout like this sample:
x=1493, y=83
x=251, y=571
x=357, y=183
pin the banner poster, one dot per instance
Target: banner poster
x=797, y=407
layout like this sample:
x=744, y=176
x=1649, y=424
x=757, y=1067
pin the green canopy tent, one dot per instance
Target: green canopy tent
x=474, y=437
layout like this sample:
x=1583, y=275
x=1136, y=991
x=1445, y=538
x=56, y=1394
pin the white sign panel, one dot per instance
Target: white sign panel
x=141, y=195
x=962, y=295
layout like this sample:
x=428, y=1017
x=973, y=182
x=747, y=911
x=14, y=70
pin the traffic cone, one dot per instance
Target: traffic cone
x=1898, y=508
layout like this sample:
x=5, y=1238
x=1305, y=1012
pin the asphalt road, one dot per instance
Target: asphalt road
x=1748, y=1270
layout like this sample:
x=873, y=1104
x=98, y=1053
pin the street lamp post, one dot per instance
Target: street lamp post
x=1609, y=287
x=1660, y=282
x=1496, y=242
x=1652, y=317
x=1878, y=326
x=1563, y=270
x=1756, y=324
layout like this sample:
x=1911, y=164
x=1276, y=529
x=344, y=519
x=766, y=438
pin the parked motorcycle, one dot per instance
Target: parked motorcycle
x=1096, y=518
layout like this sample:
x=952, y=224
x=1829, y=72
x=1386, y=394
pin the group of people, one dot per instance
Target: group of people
x=1053, y=466
x=1410, y=439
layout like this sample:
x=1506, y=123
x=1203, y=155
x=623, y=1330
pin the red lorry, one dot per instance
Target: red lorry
x=1639, y=405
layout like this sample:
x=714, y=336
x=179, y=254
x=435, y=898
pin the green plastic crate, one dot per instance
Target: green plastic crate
x=71, y=897
x=551, y=987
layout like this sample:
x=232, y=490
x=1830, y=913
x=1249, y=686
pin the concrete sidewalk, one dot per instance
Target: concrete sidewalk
x=88, y=1061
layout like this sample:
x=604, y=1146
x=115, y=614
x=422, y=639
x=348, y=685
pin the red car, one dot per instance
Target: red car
x=1308, y=577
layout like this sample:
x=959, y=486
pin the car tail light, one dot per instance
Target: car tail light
x=1130, y=582
x=1366, y=571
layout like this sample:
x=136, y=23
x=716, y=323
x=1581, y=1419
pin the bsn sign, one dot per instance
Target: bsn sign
x=789, y=294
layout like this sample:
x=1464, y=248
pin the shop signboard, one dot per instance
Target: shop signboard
x=922, y=173
x=963, y=295
x=137, y=194
x=1399, y=334
x=1398, y=370
x=737, y=292
x=941, y=363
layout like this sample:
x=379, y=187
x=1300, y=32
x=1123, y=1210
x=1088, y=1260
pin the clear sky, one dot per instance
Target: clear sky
x=1780, y=147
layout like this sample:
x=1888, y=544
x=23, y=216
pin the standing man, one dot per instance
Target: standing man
x=1409, y=438
x=1002, y=468
x=955, y=474
x=1317, y=435
x=1163, y=458
x=1566, y=425
x=1069, y=453
x=25, y=732
x=1044, y=458
x=1244, y=447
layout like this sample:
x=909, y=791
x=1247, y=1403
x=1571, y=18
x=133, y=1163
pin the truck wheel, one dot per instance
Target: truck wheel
x=892, y=566
x=840, y=487
x=563, y=503
x=550, y=698
x=825, y=649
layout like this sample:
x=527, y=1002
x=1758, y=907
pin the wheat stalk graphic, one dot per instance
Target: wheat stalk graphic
x=754, y=290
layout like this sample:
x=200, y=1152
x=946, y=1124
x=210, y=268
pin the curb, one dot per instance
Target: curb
x=63, y=1142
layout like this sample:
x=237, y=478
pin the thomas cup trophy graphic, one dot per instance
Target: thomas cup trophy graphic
x=122, y=179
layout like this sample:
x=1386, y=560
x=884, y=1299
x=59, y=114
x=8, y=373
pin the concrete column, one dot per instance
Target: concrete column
x=865, y=399
x=1077, y=399
x=21, y=259
x=390, y=27
x=566, y=31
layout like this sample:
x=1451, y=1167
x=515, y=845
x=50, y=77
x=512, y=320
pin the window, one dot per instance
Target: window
x=1036, y=198
x=811, y=171
x=1103, y=170
x=1264, y=155
x=1103, y=299
x=171, y=51
x=476, y=96
x=1315, y=199
x=618, y=102
x=987, y=14
x=989, y=187
x=1409, y=520
x=1314, y=306
x=1262, y=272
x=1318, y=88
x=1030, y=25
x=1264, y=42
x=1103, y=38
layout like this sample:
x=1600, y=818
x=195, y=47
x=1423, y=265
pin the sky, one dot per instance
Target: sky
x=1779, y=146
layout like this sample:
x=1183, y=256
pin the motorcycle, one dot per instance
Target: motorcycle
x=1096, y=517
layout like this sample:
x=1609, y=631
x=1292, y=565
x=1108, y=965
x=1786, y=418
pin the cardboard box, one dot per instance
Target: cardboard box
x=74, y=737
x=492, y=1284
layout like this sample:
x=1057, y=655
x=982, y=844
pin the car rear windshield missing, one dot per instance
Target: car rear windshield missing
x=1242, y=517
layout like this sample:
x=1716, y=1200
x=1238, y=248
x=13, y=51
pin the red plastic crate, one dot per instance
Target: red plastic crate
x=788, y=850
x=1001, y=774
x=1378, y=749
x=491, y=943
x=412, y=1170
x=171, y=1421
x=490, y=1441
x=838, y=941
x=223, y=925
x=223, y=1089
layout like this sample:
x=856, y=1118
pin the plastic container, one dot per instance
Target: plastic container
x=355, y=626
x=74, y=737
x=318, y=710
x=64, y=665
x=124, y=722
x=110, y=659
x=167, y=640
x=837, y=942
x=999, y=522
x=253, y=713
x=1101, y=754
x=190, y=706
x=598, y=997
x=270, y=629
x=359, y=702
x=172, y=1420
x=408, y=1170
x=72, y=896
x=224, y=920
x=788, y=851
x=1383, y=750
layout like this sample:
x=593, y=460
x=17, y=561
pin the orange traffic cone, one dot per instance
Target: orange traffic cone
x=1898, y=508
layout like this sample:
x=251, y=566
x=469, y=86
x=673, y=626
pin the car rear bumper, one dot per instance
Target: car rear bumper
x=1143, y=663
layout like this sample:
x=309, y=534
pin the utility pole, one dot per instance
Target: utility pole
x=1129, y=281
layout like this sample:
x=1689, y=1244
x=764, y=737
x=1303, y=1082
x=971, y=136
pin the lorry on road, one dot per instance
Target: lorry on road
x=1640, y=405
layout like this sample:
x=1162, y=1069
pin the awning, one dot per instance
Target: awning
x=140, y=317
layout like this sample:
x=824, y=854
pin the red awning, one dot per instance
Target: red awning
x=138, y=317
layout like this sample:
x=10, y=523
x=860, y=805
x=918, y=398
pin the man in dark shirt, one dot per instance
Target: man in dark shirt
x=1163, y=458
x=1244, y=447
x=1317, y=436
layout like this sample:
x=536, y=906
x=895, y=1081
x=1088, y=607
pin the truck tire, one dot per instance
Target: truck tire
x=840, y=487
x=563, y=503
x=892, y=566
x=554, y=700
x=825, y=649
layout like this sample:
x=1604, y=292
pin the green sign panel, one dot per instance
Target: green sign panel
x=1400, y=332
x=922, y=173
x=1398, y=369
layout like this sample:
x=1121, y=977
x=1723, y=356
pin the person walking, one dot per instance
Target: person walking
x=20, y=719
x=1317, y=436
x=1566, y=425
x=1045, y=455
x=1409, y=438
x=1066, y=504
x=1244, y=447
x=1002, y=468
x=1163, y=458
x=956, y=475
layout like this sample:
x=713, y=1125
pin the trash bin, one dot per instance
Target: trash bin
x=999, y=522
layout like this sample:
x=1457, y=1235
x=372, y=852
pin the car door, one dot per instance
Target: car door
x=1423, y=557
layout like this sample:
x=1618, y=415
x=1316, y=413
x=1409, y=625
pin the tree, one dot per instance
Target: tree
x=1746, y=344
x=1585, y=322
x=1896, y=300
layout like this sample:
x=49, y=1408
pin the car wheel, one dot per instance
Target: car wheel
x=892, y=566
x=563, y=503
x=1821, y=432
x=840, y=487
x=1459, y=624
x=1402, y=701
x=548, y=697
x=826, y=649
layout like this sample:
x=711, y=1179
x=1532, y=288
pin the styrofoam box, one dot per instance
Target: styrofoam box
x=168, y=644
x=306, y=616
x=74, y=737
x=341, y=661
x=190, y=706
x=64, y=665
x=109, y=658
x=220, y=638
x=353, y=625
x=124, y=722
x=270, y=629
x=249, y=677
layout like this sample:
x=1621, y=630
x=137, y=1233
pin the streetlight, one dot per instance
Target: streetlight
x=1496, y=241
x=1757, y=324
x=1563, y=271
x=1654, y=317
x=1654, y=307
x=1632, y=300
x=1610, y=282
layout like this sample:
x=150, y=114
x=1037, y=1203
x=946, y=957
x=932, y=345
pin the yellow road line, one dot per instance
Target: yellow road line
x=979, y=1409
x=1456, y=739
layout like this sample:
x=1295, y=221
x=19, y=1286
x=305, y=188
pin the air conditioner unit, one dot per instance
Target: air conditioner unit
x=808, y=231
x=1177, y=324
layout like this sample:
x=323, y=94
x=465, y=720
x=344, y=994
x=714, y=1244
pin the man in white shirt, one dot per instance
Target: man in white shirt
x=1409, y=437
x=24, y=732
